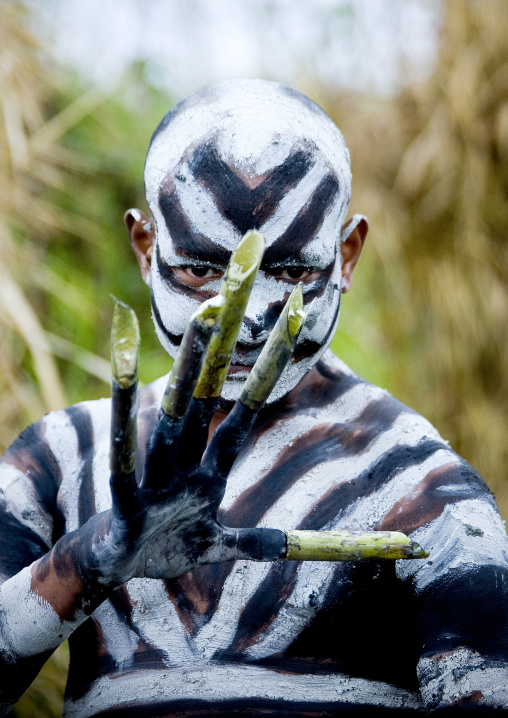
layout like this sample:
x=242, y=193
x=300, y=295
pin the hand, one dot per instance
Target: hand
x=168, y=525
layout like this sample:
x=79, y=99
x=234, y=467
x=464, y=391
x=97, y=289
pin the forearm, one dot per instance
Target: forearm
x=42, y=605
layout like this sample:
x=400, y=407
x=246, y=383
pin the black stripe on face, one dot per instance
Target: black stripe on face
x=186, y=242
x=269, y=318
x=247, y=208
x=306, y=223
x=175, y=339
x=82, y=423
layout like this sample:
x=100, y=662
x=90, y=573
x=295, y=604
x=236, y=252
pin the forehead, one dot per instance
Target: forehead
x=251, y=158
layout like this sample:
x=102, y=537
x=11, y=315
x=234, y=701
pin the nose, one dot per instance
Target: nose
x=263, y=310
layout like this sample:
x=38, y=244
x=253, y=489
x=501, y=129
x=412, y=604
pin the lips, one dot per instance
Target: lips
x=239, y=369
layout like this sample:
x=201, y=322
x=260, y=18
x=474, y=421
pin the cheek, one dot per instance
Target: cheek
x=171, y=311
x=322, y=315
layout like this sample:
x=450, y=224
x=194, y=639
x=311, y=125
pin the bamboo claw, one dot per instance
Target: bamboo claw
x=124, y=345
x=236, y=287
x=124, y=389
x=276, y=352
x=351, y=546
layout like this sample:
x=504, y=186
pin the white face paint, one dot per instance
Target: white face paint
x=249, y=155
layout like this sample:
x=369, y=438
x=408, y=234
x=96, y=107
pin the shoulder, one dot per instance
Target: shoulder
x=45, y=448
x=392, y=469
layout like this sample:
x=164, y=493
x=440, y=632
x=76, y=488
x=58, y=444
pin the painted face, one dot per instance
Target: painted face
x=248, y=155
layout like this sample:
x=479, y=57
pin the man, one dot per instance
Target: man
x=160, y=621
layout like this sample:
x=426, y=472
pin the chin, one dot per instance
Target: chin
x=292, y=375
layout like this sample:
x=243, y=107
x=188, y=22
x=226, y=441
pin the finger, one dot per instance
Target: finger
x=195, y=432
x=159, y=471
x=124, y=404
x=276, y=352
x=189, y=361
x=227, y=440
x=226, y=443
x=236, y=287
x=254, y=544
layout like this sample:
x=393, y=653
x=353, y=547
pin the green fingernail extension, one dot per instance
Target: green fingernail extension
x=124, y=395
x=351, y=546
x=276, y=352
x=236, y=287
x=124, y=345
x=191, y=354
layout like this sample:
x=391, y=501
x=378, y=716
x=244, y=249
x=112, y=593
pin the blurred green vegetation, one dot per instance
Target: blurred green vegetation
x=427, y=315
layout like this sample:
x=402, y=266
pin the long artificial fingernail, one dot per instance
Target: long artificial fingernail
x=124, y=385
x=351, y=546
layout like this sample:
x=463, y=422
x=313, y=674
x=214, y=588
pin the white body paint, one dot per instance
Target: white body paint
x=467, y=531
x=216, y=683
x=29, y=624
x=448, y=678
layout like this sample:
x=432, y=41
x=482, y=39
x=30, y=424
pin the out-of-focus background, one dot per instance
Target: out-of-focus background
x=420, y=91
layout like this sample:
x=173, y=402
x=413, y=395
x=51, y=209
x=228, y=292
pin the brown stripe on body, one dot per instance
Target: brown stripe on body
x=447, y=484
x=318, y=389
x=263, y=607
x=196, y=594
x=370, y=480
x=327, y=442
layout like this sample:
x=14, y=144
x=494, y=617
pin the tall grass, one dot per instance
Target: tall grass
x=431, y=169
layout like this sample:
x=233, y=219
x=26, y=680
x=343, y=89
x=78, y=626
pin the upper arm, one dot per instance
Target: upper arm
x=461, y=590
x=29, y=479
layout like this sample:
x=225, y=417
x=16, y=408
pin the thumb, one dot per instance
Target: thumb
x=254, y=544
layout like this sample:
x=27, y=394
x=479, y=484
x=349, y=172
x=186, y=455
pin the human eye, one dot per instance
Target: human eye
x=196, y=275
x=294, y=273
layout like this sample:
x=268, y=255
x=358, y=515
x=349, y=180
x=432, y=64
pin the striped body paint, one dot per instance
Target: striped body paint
x=285, y=638
x=246, y=155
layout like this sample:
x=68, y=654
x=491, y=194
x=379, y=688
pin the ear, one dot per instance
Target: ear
x=353, y=235
x=142, y=235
